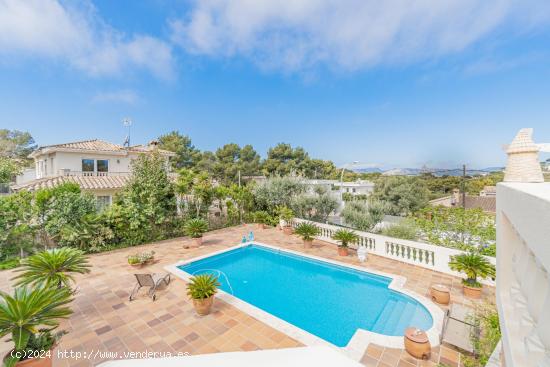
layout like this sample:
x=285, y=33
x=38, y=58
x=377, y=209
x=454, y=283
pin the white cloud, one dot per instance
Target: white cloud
x=76, y=34
x=347, y=34
x=119, y=96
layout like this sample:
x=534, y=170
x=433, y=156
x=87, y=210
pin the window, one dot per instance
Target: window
x=103, y=201
x=353, y=190
x=102, y=167
x=88, y=166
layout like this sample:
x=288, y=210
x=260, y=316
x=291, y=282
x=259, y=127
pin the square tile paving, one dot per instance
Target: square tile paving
x=106, y=325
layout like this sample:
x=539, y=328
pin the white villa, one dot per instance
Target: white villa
x=98, y=166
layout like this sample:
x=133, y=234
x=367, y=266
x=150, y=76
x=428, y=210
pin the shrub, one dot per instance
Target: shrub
x=485, y=319
x=28, y=309
x=9, y=264
x=405, y=230
x=473, y=265
x=345, y=237
x=195, y=227
x=363, y=217
x=307, y=231
x=285, y=213
x=52, y=268
x=141, y=258
x=262, y=217
x=202, y=286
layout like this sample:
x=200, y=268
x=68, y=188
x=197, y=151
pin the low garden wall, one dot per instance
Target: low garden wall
x=416, y=253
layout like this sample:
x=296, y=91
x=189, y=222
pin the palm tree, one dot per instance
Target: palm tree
x=52, y=268
x=473, y=265
x=22, y=314
x=345, y=237
x=307, y=231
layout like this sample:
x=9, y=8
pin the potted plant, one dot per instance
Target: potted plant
x=52, y=268
x=141, y=258
x=261, y=218
x=285, y=219
x=473, y=265
x=307, y=231
x=22, y=314
x=201, y=289
x=345, y=237
x=195, y=228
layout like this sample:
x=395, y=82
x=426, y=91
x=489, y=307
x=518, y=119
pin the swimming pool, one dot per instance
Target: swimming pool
x=324, y=299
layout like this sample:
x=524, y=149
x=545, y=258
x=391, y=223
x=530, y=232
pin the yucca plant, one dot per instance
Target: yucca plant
x=345, y=237
x=201, y=289
x=195, y=227
x=473, y=265
x=307, y=231
x=29, y=309
x=52, y=268
x=202, y=286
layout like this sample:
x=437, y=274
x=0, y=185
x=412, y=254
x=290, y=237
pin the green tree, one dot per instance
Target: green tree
x=463, y=229
x=277, y=191
x=187, y=155
x=282, y=160
x=16, y=230
x=9, y=168
x=316, y=206
x=403, y=195
x=17, y=145
x=147, y=206
x=364, y=217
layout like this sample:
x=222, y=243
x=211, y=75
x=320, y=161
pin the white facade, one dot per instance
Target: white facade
x=523, y=261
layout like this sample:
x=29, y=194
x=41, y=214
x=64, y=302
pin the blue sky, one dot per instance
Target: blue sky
x=393, y=83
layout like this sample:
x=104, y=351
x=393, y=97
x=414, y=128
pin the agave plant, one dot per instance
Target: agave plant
x=195, y=227
x=22, y=314
x=473, y=265
x=345, y=237
x=52, y=268
x=202, y=286
x=307, y=231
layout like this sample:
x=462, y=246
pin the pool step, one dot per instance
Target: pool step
x=384, y=316
x=396, y=317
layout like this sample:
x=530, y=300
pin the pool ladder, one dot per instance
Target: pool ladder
x=219, y=272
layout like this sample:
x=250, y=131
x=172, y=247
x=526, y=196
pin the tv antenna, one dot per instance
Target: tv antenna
x=127, y=122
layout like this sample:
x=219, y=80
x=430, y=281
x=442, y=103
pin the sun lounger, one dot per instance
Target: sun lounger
x=153, y=281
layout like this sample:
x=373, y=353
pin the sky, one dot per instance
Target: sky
x=393, y=83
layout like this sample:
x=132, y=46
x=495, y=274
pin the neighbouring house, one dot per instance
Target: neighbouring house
x=360, y=187
x=97, y=166
x=487, y=203
x=488, y=191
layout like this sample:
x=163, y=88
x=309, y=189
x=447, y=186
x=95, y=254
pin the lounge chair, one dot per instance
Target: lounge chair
x=153, y=281
x=457, y=327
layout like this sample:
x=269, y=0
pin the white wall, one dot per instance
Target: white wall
x=523, y=261
x=416, y=253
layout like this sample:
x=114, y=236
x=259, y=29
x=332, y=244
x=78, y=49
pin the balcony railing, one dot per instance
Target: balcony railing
x=65, y=172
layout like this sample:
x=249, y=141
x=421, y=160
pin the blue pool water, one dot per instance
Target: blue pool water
x=327, y=300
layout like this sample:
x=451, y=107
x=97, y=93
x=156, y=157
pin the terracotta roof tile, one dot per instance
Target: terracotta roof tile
x=85, y=182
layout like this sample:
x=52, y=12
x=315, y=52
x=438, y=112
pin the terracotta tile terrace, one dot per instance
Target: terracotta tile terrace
x=105, y=322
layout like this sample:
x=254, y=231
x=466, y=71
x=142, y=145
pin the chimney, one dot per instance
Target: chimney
x=523, y=159
x=455, y=197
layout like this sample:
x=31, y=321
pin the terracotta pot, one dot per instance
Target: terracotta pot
x=203, y=306
x=288, y=230
x=260, y=225
x=198, y=241
x=308, y=243
x=35, y=362
x=343, y=251
x=472, y=292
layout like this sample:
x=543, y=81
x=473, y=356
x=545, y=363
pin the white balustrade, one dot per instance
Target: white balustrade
x=416, y=253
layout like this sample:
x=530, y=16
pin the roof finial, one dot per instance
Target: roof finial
x=523, y=159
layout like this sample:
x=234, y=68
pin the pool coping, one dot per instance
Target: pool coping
x=360, y=340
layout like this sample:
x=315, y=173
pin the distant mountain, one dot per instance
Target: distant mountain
x=368, y=170
x=439, y=172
